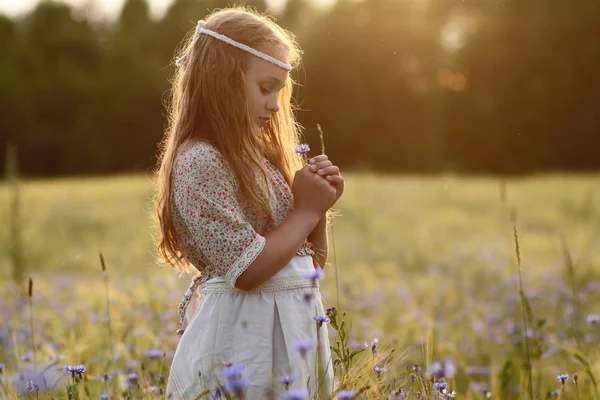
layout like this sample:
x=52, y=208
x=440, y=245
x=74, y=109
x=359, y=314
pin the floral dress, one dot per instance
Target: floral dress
x=269, y=330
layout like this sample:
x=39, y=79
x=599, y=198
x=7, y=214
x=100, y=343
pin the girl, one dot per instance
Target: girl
x=235, y=201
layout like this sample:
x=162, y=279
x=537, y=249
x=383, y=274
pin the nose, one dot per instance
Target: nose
x=273, y=104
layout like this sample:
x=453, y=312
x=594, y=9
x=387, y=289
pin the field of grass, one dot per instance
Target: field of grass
x=425, y=264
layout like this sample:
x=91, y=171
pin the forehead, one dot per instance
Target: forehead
x=261, y=69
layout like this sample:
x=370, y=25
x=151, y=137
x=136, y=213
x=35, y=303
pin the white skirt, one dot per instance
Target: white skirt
x=259, y=329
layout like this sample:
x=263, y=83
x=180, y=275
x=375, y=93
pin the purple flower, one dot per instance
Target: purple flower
x=152, y=389
x=287, y=381
x=379, y=370
x=314, y=275
x=373, y=345
x=235, y=382
x=104, y=396
x=563, y=378
x=233, y=371
x=302, y=149
x=345, y=394
x=446, y=369
x=592, y=319
x=132, y=379
x=320, y=320
x=32, y=387
x=304, y=346
x=555, y=392
x=27, y=357
x=295, y=394
x=154, y=354
x=75, y=369
x=1, y=368
x=440, y=384
x=217, y=394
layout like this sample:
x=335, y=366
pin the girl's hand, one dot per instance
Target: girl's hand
x=325, y=168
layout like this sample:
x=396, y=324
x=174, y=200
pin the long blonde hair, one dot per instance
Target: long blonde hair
x=209, y=90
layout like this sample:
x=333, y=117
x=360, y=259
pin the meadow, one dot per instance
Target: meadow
x=428, y=266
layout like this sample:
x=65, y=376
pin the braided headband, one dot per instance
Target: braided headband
x=200, y=29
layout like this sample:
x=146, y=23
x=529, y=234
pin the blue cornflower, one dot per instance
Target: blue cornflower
x=373, y=345
x=302, y=149
x=1, y=368
x=75, y=369
x=555, y=393
x=152, y=389
x=320, y=320
x=295, y=394
x=287, y=381
x=379, y=370
x=563, y=378
x=315, y=274
x=132, y=379
x=233, y=371
x=27, y=357
x=304, y=346
x=235, y=383
x=217, y=394
x=593, y=319
x=440, y=384
x=154, y=354
x=345, y=394
x=32, y=387
x=104, y=396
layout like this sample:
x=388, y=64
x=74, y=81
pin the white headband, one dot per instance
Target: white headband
x=200, y=29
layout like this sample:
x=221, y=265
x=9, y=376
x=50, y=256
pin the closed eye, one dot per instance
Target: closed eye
x=264, y=90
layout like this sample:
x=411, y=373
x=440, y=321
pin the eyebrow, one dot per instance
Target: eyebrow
x=274, y=79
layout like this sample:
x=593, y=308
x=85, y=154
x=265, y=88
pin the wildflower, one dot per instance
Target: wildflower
x=75, y=370
x=295, y=394
x=399, y=394
x=27, y=357
x=1, y=368
x=104, y=396
x=379, y=370
x=132, y=379
x=320, y=320
x=345, y=394
x=440, y=384
x=314, y=275
x=154, y=354
x=218, y=393
x=575, y=377
x=235, y=381
x=33, y=387
x=373, y=345
x=563, y=378
x=447, y=369
x=592, y=319
x=554, y=393
x=304, y=346
x=287, y=381
x=302, y=149
x=152, y=389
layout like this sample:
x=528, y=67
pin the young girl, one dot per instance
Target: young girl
x=236, y=203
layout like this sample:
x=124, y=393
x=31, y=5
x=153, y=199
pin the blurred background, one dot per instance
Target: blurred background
x=421, y=86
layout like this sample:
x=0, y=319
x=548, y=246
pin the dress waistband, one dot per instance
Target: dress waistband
x=197, y=290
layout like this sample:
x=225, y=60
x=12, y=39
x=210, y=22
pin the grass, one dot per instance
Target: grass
x=426, y=264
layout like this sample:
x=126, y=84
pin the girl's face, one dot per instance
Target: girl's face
x=264, y=81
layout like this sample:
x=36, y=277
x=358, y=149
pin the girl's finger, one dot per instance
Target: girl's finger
x=320, y=165
x=335, y=179
x=333, y=170
x=318, y=158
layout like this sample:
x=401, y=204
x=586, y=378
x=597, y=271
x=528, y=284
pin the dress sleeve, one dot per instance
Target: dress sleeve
x=205, y=196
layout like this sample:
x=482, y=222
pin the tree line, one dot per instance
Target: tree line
x=474, y=86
